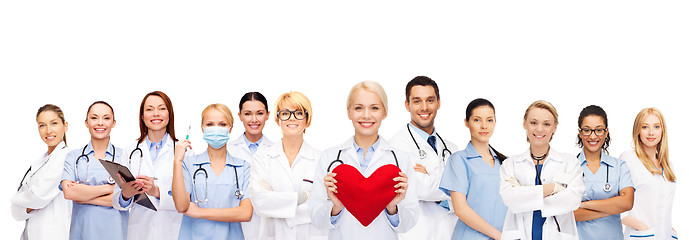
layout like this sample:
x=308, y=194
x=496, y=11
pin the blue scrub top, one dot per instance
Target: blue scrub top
x=619, y=177
x=466, y=172
x=221, y=194
x=92, y=221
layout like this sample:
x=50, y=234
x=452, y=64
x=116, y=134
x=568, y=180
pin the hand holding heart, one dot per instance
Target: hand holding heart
x=330, y=187
x=401, y=190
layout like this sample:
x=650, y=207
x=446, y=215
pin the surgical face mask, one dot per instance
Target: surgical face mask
x=216, y=137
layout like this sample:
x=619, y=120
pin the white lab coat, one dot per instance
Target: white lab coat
x=522, y=200
x=435, y=222
x=145, y=223
x=238, y=148
x=274, y=187
x=652, y=201
x=347, y=226
x=39, y=191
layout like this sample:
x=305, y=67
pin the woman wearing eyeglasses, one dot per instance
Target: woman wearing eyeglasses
x=609, y=187
x=211, y=188
x=282, y=175
x=86, y=182
x=150, y=161
x=541, y=187
x=366, y=151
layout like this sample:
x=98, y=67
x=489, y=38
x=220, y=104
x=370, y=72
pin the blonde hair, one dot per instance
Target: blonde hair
x=296, y=100
x=662, y=152
x=220, y=107
x=369, y=86
x=543, y=105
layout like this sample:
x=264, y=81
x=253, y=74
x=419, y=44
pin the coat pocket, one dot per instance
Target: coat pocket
x=645, y=235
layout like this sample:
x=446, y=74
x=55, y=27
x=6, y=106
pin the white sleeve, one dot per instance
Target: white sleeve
x=408, y=208
x=266, y=201
x=518, y=199
x=569, y=199
x=41, y=188
x=319, y=203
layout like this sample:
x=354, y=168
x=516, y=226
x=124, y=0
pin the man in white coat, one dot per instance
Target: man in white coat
x=429, y=152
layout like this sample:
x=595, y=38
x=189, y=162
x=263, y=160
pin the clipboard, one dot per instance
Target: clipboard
x=114, y=168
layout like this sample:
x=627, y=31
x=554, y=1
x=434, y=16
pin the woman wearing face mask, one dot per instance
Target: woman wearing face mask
x=210, y=188
x=472, y=178
x=609, y=188
x=37, y=201
x=541, y=187
x=253, y=113
x=150, y=158
x=86, y=182
x=653, y=177
x=367, y=152
x=282, y=175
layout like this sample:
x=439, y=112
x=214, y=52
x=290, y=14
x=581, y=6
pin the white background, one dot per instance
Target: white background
x=623, y=56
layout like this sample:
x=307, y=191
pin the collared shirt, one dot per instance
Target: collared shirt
x=617, y=174
x=424, y=135
x=153, y=147
x=467, y=173
x=364, y=160
x=219, y=190
x=253, y=146
x=93, y=221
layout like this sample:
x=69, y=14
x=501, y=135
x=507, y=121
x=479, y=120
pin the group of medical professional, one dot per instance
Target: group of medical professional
x=254, y=188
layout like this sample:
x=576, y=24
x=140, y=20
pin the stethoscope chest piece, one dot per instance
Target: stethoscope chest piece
x=607, y=187
x=111, y=180
x=239, y=194
x=422, y=154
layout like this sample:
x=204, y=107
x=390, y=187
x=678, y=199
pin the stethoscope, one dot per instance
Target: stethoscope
x=341, y=162
x=34, y=173
x=83, y=154
x=239, y=193
x=607, y=187
x=422, y=153
x=141, y=154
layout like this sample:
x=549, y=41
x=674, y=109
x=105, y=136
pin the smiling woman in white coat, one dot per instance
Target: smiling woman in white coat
x=253, y=113
x=38, y=201
x=149, y=158
x=282, y=175
x=367, y=152
x=653, y=177
x=541, y=187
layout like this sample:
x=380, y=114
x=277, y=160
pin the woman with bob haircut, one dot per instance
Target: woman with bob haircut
x=282, y=174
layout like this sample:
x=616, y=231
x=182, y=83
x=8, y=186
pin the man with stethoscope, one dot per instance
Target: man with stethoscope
x=430, y=150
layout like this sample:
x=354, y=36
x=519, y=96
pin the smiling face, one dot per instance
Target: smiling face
x=423, y=106
x=253, y=116
x=540, y=126
x=651, y=131
x=292, y=126
x=481, y=124
x=156, y=115
x=100, y=120
x=366, y=111
x=51, y=128
x=593, y=143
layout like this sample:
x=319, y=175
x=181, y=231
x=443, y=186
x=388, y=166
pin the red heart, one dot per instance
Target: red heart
x=366, y=198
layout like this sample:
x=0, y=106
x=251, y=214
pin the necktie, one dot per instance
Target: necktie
x=431, y=141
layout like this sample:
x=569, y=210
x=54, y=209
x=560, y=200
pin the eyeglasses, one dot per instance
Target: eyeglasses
x=285, y=115
x=597, y=131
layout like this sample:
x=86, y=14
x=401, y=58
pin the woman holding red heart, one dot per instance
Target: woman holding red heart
x=371, y=194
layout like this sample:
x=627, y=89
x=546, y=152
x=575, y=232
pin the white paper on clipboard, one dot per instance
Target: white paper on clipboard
x=114, y=168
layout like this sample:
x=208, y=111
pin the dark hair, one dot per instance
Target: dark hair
x=480, y=102
x=58, y=111
x=253, y=96
x=100, y=102
x=593, y=110
x=421, y=81
x=170, y=128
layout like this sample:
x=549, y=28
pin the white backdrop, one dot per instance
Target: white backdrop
x=623, y=56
